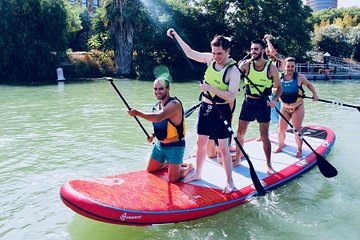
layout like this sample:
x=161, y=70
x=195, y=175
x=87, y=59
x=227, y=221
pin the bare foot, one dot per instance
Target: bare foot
x=194, y=177
x=279, y=149
x=238, y=161
x=228, y=188
x=270, y=171
x=298, y=154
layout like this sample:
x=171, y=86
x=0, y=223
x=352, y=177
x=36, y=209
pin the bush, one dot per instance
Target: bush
x=92, y=64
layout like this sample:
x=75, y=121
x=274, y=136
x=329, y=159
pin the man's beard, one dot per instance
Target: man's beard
x=257, y=57
x=162, y=97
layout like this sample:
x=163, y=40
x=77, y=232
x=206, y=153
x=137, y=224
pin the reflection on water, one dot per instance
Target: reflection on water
x=51, y=134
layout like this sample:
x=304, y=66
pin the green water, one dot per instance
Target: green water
x=52, y=134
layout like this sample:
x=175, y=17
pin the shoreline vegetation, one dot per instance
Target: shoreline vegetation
x=128, y=40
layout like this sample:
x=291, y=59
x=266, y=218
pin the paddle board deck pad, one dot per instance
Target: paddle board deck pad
x=142, y=198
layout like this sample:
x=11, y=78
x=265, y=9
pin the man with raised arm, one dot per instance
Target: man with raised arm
x=264, y=76
x=221, y=81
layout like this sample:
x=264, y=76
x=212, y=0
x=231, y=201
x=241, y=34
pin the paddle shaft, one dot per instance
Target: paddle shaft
x=191, y=110
x=128, y=107
x=183, y=53
x=335, y=103
x=325, y=167
x=257, y=184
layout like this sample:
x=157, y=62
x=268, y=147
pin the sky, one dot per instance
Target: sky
x=347, y=3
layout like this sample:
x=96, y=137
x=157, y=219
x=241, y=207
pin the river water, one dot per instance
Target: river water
x=52, y=134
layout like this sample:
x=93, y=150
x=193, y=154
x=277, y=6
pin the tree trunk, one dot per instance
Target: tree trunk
x=123, y=51
x=123, y=28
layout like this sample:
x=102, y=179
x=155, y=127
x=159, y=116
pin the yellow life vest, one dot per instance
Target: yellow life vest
x=217, y=78
x=260, y=80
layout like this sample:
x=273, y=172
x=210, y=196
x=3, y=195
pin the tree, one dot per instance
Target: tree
x=338, y=32
x=332, y=39
x=331, y=14
x=33, y=29
x=353, y=38
x=285, y=20
x=124, y=18
x=78, y=26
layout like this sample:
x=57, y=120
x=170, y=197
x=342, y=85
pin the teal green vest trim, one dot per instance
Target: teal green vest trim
x=260, y=79
x=217, y=79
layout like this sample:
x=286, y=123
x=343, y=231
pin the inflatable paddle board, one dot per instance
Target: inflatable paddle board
x=142, y=198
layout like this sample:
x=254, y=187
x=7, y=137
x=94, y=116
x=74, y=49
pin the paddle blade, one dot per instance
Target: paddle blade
x=257, y=184
x=325, y=167
x=358, y=108
x=162, y=71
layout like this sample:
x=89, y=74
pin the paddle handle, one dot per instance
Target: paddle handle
x=128, y=107
x=183, y=53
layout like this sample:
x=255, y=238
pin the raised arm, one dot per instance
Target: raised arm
x=203, y=57
x=273, y=51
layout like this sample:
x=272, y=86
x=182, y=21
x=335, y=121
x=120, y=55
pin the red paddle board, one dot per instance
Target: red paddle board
x=142, y=198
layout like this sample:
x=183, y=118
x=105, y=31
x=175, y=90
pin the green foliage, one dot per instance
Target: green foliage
x=32, y=29
x=331, y=14
x=199, y=22
x=162, y=49
x=79, y=22
x=285, y=20
x=337, y=31
x=354, y=42
x=100, y=39
x=89, y=64
x=332, y=39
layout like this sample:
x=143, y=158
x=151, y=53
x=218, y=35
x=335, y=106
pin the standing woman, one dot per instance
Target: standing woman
x=292, y=104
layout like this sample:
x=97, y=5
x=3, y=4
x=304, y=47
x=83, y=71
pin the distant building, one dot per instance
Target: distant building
x=317, y=5
x=91, y=4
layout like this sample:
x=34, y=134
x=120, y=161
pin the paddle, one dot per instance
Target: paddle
x=188, y=112
x=336, y=103
x=127, y=105
x=257, y=184
x=324, y=166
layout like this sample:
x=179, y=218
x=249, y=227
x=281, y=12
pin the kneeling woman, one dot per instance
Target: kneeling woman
x=292, y=104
